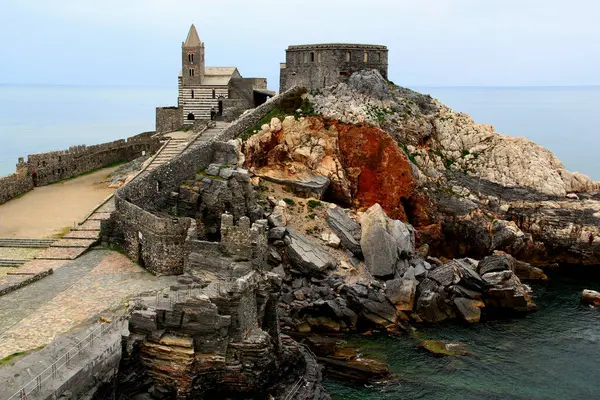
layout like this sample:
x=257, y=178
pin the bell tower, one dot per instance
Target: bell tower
x=192, y=53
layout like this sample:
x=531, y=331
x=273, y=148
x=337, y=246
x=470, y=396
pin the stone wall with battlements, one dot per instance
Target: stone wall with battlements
x=46, y=168
x=319, y=65
x=141, y=204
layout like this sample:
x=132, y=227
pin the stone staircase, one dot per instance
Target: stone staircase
x=81, y=237
x=26, y=243
x=174, y=147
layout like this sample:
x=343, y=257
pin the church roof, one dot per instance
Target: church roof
x=193, y=40
x=218, y=76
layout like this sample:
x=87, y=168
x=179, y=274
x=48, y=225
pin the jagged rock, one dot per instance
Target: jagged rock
x=301, y=184
x=277, y=233
x=505, y=233
x=383, y=241
x=469, y=310
x=590, y=297
x=331, y=239
x=498, y=278
x=496, y=262
x=526, y=271
x=305, y=256
x=278, y=217
x=370, y=83
x=468, y=277
x=213, y=170
x=346, y=229
x=431, y=307
x=401, y=292
x=444, y=275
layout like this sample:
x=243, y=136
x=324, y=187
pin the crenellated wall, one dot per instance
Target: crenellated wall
x=140, y=204
x=46, y=168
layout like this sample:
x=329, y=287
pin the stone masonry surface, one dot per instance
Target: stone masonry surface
x=320, y=65
x=45, y=168
x=34, y=315
x=138, y=225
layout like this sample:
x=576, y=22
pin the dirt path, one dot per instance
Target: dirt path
x=48, y=210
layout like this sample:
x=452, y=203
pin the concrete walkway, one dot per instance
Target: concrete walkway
x=78, y=290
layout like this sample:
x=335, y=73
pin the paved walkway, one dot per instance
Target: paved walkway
x=50, y=210
x=34, y=315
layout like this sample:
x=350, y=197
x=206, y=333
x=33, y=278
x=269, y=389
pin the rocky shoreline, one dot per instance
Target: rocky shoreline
x=361, y=208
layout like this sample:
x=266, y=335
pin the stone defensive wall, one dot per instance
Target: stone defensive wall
x=140, y=224
x=46, y=168
x=317, y=66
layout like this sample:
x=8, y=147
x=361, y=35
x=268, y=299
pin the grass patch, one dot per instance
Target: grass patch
x=312, y=204
x=12, y=358
x=61, y=232
x=289, y=202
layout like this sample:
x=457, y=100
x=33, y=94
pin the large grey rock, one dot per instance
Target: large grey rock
x=401, y=292
x=371, y=83
x=305, y=256
x=346, y=229
x=445, y=274
x=309, y=185
x=496, y=262
x=278, y=217
x=468, y=309
x=383, y=241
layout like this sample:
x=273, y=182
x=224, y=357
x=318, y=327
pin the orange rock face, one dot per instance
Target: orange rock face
x=364, y=164
x=385, y=173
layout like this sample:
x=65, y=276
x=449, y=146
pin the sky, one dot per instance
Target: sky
x=431, y=42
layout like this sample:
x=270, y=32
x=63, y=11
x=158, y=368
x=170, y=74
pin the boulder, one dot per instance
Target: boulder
x=444, y=275
x=345, y=228
x=528, y=272
x=401, y=292
x=469, y=310
x=278, y=217
x=590, y=297
x=277, y=233
x=331, y=239
x=431, y=307
x=496, y=262
x=301, y=184
x=305, y=256
x=383, y=241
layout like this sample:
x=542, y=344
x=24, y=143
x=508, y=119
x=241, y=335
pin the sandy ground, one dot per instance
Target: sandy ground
x=48, y=210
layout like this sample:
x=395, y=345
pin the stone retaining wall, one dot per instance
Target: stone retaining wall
x=14, y=185
x=157, y=241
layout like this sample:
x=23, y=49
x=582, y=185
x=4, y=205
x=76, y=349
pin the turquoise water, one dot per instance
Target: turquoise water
x=553, y=353
x=43, y=118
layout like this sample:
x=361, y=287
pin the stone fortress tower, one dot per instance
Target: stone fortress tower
x=218, y=93
x=318, y=65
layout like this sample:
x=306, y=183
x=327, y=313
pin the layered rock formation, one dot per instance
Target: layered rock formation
x=465, y=188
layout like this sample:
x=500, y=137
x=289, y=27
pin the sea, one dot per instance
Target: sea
x=36, y=119
x=553, y=353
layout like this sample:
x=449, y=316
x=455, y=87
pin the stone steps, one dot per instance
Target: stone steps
x=82, y=235
x=30, y=243
x=61, y=253
x=12, y=263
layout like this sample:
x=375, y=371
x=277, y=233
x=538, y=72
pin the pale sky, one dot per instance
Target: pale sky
x=431, y=42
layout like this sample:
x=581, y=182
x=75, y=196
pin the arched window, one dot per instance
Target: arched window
x=348, y=56
x=366, y=56
x=191, y=117
x=214, y=94
x=191, y=71
x=192, y=93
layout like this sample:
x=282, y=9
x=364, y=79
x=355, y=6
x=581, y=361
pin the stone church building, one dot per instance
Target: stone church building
x=218, y=93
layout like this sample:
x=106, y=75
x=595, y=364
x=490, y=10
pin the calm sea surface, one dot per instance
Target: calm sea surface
x=43, y=118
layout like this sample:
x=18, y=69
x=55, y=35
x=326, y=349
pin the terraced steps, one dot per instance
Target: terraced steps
x=12, y=263
x=29, y=243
